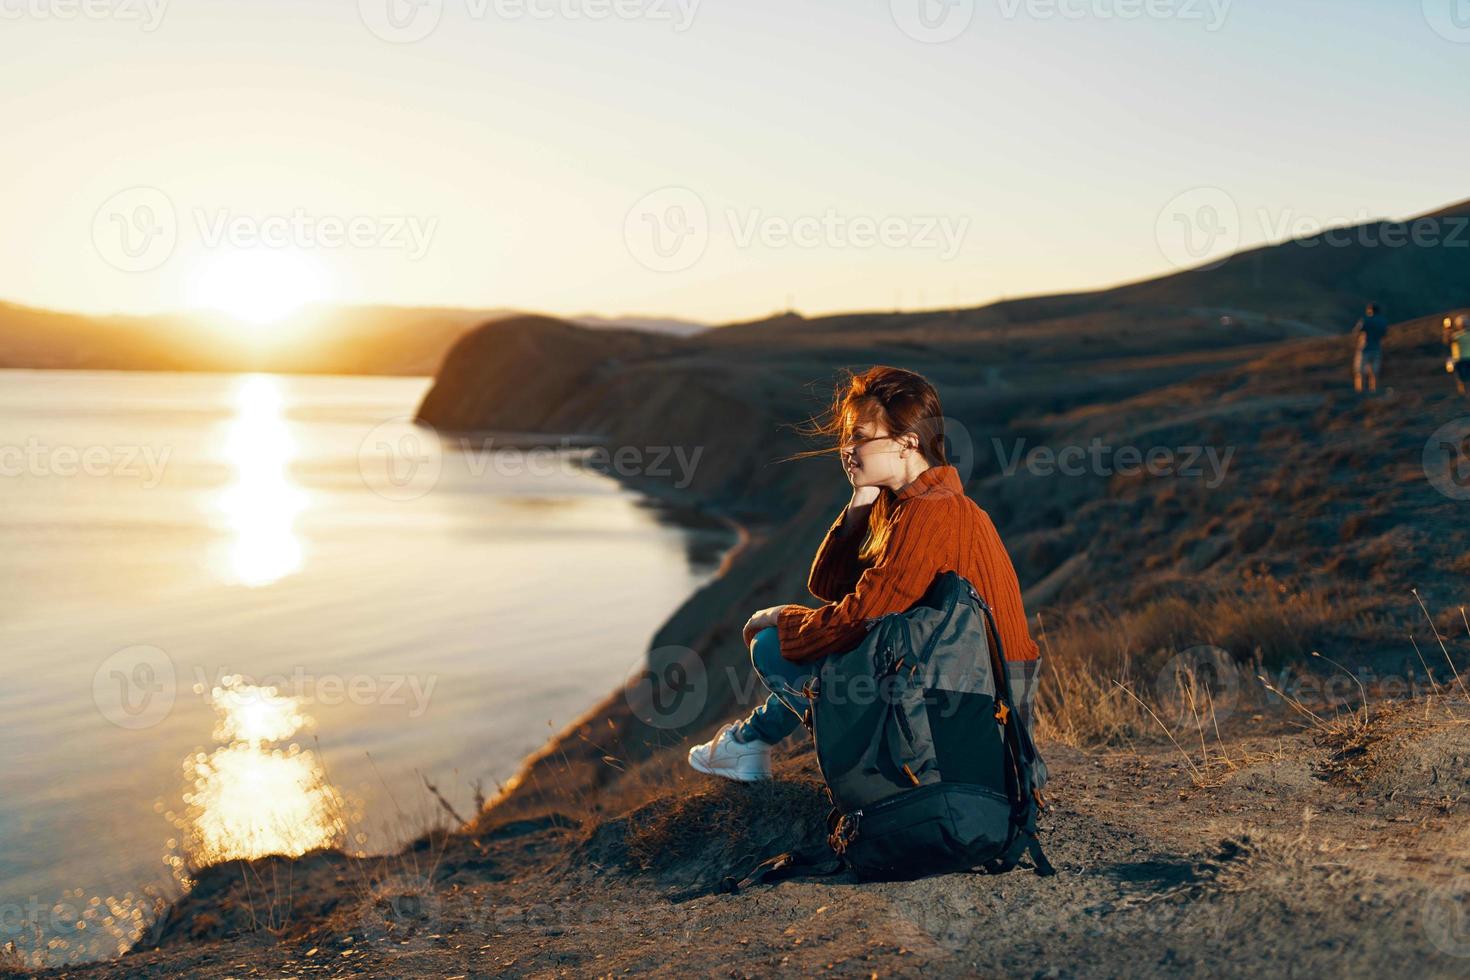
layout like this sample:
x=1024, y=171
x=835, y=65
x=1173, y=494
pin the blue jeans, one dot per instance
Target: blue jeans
x=781, y=714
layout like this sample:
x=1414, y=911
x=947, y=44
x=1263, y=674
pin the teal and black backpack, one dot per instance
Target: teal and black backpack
x=927, y=756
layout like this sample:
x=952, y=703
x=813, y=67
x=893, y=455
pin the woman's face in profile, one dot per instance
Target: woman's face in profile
x=870, y=455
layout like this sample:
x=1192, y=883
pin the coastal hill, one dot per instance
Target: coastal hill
x=1321, y=496
x=1027, y=356
x=1282, y=819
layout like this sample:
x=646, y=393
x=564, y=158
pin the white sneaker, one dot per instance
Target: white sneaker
x=724, y=756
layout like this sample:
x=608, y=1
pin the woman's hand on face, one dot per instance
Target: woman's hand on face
x=761, y=620
x=863, y=497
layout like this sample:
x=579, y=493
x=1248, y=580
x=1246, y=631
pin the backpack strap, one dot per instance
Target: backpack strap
x=1023, y=819
x=817, y=861
x=1023, y=844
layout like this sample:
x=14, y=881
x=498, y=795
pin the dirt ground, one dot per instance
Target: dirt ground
x=1290, y=852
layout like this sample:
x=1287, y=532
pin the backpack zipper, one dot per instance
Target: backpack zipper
x=897, y=798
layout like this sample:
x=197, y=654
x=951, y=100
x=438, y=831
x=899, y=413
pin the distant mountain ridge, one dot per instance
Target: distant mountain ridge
x=1299, y=288
x=322, y=339
x=1308, y=280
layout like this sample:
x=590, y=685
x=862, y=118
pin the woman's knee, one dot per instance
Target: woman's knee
x=765, y=650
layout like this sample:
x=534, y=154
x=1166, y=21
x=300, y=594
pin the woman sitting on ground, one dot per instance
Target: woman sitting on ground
x=908, y=520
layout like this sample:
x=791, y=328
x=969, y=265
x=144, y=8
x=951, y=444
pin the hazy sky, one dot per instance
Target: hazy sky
x=714, y=159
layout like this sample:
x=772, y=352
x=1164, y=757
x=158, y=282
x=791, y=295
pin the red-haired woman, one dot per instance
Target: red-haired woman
x=908, y=520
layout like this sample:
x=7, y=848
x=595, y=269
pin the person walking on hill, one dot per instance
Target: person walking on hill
x=908, y=520
x=1457, y=339
x=1368, y=360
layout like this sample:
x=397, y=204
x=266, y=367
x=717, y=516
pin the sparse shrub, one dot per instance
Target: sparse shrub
x=1344, y=564
x=205, y=925
x=1252, y=536
x=1162, y=624
x=1354, y=527
x=1184, y=544
x=1290, y=534
x=1276, y=434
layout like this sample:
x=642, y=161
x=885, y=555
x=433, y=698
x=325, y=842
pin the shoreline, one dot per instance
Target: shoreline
x=519, y=788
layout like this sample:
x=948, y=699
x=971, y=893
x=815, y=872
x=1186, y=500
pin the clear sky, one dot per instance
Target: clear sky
x=714, y=159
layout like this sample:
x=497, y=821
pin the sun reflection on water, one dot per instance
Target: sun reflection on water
x=262, y=502
x=249, y=797
x=254, y=714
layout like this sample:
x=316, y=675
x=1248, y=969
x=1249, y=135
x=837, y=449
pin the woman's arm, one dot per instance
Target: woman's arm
x=836, y=568
x=916, y=547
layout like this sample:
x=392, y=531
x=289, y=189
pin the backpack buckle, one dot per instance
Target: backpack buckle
x=843, y=834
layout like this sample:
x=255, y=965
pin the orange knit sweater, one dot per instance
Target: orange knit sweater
x=935, y=528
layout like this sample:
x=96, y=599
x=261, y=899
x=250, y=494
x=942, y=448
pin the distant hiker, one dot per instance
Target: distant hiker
x=1368, y=360
x=908, y=520
x=1457, y=339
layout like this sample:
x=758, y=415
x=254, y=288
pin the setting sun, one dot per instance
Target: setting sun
x=260, y=286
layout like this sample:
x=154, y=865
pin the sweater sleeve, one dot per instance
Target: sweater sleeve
x=836, y=567
x=998, y=585
x=902, y=574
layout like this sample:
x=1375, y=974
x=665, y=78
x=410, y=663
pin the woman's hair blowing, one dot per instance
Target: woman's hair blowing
x=903, y=403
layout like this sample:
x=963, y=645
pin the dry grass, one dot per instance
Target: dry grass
x=1105, y=672
x=397, y=890
x=1112, y=678
x=11, y=959
x=1377, y=748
